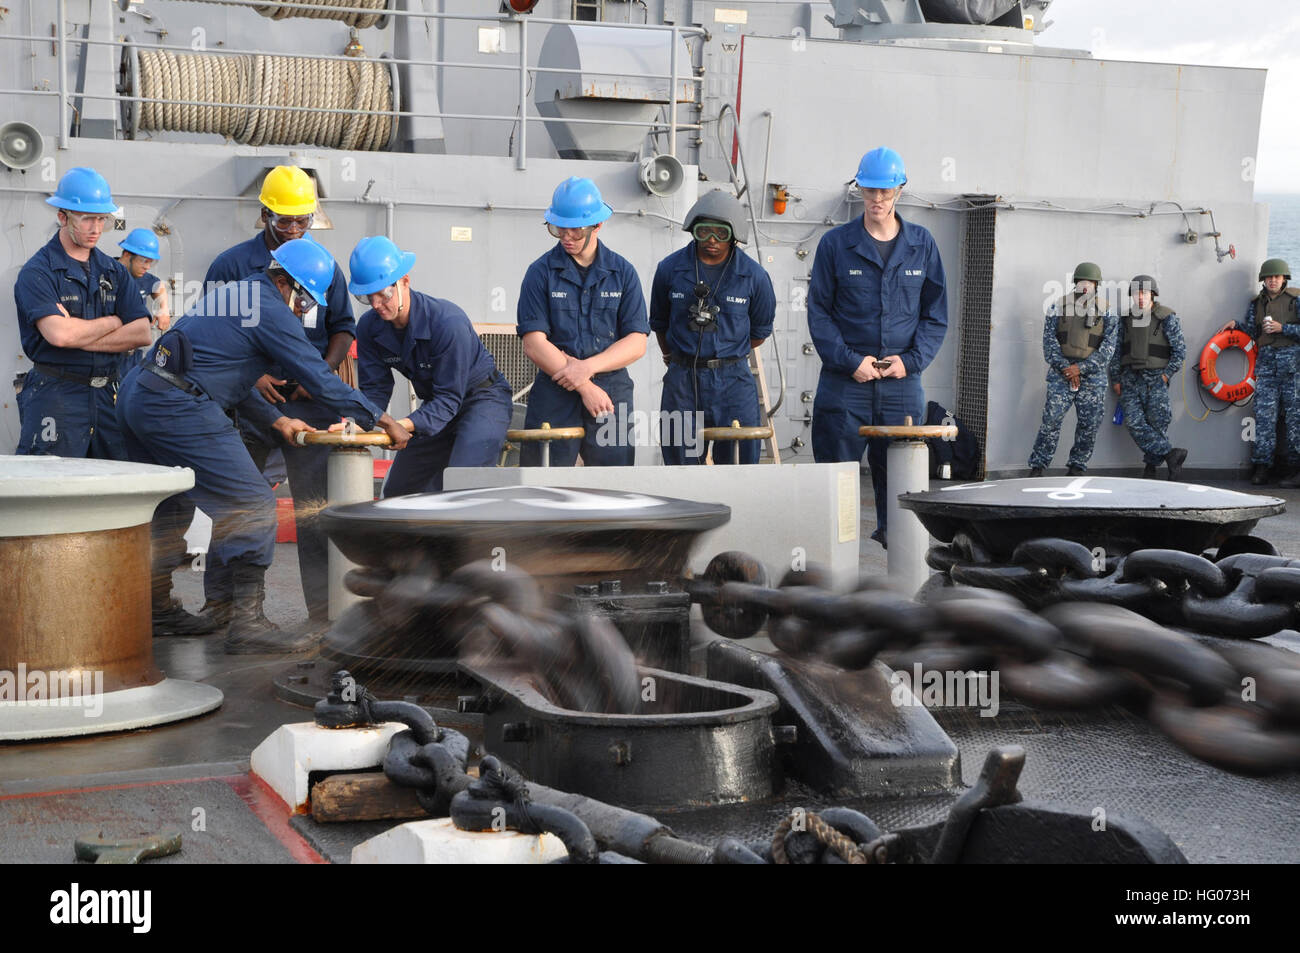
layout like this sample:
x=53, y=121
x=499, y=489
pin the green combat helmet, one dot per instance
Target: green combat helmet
x=1274, y=266
x=1086, y=271
x=1143, y=283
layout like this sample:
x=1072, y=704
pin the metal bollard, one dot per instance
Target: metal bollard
x=908, y=464
x=545, y=435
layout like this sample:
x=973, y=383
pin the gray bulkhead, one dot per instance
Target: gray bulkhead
x=1021, y=163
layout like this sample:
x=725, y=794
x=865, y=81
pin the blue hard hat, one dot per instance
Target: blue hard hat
x=881, y=169
x=577, y=204
x=83, y=190
x=377, y=263
x=309, y=264
x=142, y=242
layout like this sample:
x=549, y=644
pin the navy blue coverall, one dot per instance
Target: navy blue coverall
x=465, y=413
x=66, y=406
x=710, y=360
x=858, y=307
x=307, y=467
x=237, y=332
x=582, y=318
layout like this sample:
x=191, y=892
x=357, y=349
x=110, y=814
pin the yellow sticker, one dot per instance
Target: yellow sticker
x=460, y=233
x=847, y=506
x=730, y=16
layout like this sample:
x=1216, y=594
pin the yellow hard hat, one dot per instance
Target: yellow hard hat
x=287, y=190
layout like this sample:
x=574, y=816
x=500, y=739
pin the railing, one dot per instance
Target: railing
x=62, y=40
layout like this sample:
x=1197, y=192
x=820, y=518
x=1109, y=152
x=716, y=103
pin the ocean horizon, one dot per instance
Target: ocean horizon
x=1283, y=226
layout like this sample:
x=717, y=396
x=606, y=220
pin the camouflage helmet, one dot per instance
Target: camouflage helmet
x=1274, y=266
x=719, y=206
x=1143, y=283
x=1086, y=271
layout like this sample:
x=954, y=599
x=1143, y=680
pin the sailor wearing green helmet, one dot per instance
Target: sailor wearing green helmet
x=1271, y=319
x=1078, y=340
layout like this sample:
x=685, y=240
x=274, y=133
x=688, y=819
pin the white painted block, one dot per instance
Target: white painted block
x=438, y=841
x=291, y=752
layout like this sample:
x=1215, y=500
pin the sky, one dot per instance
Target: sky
x=1251, y=33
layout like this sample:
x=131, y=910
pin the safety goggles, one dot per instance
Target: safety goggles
x=285, y=223
x=557, y=232
x=385, y=296
x=88, y=218
x=712, y=233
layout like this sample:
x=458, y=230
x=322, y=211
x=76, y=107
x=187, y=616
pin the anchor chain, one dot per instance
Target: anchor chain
x=1247, y=592
x=499, y=801
x=489, y=615
x=1233, y=708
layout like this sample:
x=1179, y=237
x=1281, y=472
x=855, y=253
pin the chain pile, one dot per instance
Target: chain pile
x=1242, y=595
x=250, y=83
x=1235, y=705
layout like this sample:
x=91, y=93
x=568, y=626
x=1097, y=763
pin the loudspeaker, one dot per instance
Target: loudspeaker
x=20, y=145
x=661, y=175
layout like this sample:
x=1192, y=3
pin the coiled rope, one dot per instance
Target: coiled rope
x=326, y=10
x=286, y=81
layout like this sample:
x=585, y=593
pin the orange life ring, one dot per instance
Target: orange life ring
x=1221, y=342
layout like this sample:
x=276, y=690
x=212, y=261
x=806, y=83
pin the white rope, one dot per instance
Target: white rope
x=289, y=81
x=326, y=11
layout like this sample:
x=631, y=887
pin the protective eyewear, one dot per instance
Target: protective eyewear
x=88, y=218
x=712, y=233
x=557, y=232
x=284, y=223
x=385, y=296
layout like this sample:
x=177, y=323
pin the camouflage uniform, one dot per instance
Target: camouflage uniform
x=1275, y=374
x=1144, y=356
x=1089, y=400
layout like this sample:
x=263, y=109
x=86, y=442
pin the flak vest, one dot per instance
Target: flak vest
x=1281, y=309
x=1146, y=346
x=1079, y=325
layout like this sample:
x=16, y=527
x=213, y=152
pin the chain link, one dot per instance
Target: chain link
x=1245, y=595
x=1080, y=654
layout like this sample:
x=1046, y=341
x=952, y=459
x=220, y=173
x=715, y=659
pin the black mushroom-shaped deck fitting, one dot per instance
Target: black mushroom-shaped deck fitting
x=1119, y=515
x=567, y=534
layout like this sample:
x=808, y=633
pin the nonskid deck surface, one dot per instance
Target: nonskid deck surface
x=153, y=780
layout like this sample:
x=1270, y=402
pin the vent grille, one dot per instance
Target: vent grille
x=507, y=349
x=978, y=247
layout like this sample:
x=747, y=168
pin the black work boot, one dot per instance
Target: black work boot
x=251, y=632
x=1259, y=475
x=218, y=610
x=1174, y=460
x=169, y=616
x=1075, y=471
x=1292, y=481
x=1036, y=471
x=1149, y=472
